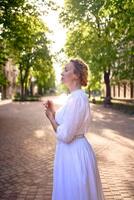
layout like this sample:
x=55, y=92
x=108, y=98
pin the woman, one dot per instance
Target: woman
x=76, y=175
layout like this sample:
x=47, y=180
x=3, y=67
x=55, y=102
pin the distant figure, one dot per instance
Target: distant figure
x=76, y=175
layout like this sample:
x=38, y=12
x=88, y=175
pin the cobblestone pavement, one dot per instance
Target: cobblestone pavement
x=27, y=146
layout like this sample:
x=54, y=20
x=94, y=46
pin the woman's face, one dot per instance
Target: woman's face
x=68, y=76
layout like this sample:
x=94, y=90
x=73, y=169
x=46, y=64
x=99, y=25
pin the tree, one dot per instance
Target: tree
x=29, y=47
x=96, y=33
x=3, y=59
x=25, y=36
x=120, y=16
x=100, y=54
x=42, y=68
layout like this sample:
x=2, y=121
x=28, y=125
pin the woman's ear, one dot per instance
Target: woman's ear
x=76, y=76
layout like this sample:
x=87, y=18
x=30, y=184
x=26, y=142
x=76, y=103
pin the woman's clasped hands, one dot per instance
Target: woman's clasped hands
x=49, y=109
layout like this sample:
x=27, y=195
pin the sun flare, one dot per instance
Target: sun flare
x=57, y=36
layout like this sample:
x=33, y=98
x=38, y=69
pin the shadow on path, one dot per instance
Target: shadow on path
x=27, y=145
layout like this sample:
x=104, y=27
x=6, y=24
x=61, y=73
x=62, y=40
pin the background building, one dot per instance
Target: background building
x=123, y=90
x=11, y=72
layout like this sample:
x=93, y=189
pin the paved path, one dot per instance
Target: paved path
x=27, y=145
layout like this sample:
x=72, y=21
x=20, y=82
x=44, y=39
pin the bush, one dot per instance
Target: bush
x=17, y=97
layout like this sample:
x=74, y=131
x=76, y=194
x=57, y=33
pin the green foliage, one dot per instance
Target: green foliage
x=45, y=77
x=101, y=33
x=120, y=15
x=25, y=38
x=3, y=80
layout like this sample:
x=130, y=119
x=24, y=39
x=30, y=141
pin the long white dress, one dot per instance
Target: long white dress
x=76, y=175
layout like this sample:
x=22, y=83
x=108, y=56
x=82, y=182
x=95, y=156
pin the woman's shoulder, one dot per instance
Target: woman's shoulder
x=79, y=95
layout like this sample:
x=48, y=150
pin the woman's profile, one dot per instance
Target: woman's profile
x=76, y=175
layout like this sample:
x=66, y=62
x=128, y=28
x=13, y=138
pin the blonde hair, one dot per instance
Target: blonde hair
x=81, y=69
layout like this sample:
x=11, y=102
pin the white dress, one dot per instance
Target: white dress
x=76, y=175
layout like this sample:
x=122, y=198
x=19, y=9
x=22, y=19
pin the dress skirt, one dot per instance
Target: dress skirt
x=76, y=175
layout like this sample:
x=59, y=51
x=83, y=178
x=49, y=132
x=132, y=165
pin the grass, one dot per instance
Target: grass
x=28, y=98
x=123, y=106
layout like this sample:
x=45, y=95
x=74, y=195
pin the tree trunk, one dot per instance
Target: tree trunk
x=107, y=100
x=40, y=90
x=22, y=91
x=26, y=87
x=31, y=88
x=26, y=80
x=22, y=83
x=4, y=93
x=23, y=80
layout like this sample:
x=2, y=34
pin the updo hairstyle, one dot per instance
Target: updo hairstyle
x=81, y=69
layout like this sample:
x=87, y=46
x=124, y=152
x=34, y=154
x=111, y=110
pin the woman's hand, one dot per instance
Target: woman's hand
x=51, y=106
x=50, y=113
x=49, y=109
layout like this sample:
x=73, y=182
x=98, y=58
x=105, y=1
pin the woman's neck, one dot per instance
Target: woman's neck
x=74, y=87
